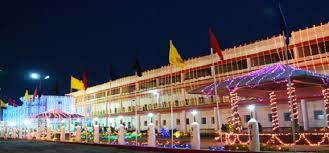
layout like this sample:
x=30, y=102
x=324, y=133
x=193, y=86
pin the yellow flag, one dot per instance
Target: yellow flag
x=76, y=84
x=2, y=104
x=27, y=96
x=174, y=57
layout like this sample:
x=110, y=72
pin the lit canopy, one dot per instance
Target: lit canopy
x=270, y=78
x=56, y=113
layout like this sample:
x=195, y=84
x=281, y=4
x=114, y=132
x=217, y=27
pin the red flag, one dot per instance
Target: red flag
x=35, y=94
x=12, y=102
x=214, y=44
x=84, y=79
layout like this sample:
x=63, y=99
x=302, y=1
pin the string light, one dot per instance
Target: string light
x=235, y=115
x=325, y=93
x=274, y=111
x=234, y=138
x=291, y=92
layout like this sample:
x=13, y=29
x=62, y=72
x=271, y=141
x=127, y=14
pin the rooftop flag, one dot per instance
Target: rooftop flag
x=174, y=57
x=214, y=44
x=35, y=94
x=27, y=96
x=2, y=104
x=77, y=84
x=84, y=79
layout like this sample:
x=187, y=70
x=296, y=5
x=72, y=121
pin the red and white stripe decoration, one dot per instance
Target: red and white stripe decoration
x=274, y=111
x=293, y=108
x=325, y=93
x=235, y=114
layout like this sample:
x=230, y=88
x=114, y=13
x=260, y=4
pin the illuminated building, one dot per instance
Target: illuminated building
x=156, y=89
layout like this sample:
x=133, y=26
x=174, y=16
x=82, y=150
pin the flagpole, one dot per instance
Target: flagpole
x=216, y=94
x=171, y=109
x=286, y=49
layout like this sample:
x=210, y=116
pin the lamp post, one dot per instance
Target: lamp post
x=150, y=115
x=194, y=112
x=251, y=109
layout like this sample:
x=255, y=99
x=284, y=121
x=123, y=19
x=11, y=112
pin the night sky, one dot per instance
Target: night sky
x=63, y=37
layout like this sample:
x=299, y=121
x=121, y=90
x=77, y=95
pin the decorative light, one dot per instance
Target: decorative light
x=274, y=111
x=291, y=92
x=325, y=93
x=235, y=115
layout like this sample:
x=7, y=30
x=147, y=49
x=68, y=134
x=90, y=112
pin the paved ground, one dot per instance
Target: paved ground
x=18, y=146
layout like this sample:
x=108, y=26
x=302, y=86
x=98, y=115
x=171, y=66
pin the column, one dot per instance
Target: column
x=138, y=118
x=96, y=134
x=159, y=121
x=183, y=121
x=121, y=135
x=62, y=135
x=195, y=142
x=304, y=114
x=78, y=134
x=151, y=135
x=216, y=119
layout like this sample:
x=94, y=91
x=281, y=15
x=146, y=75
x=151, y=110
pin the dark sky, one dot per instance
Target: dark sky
x=63, y=37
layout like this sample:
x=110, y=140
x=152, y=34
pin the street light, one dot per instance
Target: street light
x=194, y=112
x=47, y=77
x=151, y=116
x=251, y=108
x=35, y=76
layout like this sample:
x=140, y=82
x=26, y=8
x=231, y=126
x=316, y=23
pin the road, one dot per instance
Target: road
x=18, y=146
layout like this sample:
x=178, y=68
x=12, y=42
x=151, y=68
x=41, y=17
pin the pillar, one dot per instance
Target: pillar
x=304, y=114
x=254, y=145
x=48, y=134
x=195, y=142
x=78, y=134
x=183, y=121
x=151, y=135
x=121, y=135
x=62, y=134
x=159, y=121
x=138, y=118
x=96, y=134
x=14, y=133
x=216, y=116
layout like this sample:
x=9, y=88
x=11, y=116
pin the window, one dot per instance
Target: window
x=148, y=84
x=187, y=121
x=318, y=115
x=287, y=116
x=269, y=117
x=232, y=66
x=177, y=121
x=246, y=118
x=115, y=91
x=194, y=74
x=270, y=58
x=164, y=122
x=212, y=120
x=100, y=95
x=203, y=120
x=145, y=123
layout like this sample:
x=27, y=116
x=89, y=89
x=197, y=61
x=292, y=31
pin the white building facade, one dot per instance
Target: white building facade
x=130, y=99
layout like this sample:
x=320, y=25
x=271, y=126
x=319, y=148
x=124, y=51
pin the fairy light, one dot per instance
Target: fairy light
x=274, y=111
x=291, y=92
x=234, y=138
x=325, y=93
x=234, y=106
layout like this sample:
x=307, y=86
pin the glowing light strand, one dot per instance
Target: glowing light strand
x=291, y=92
x=325, y=93
x=235, y=115
x=274, y=111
